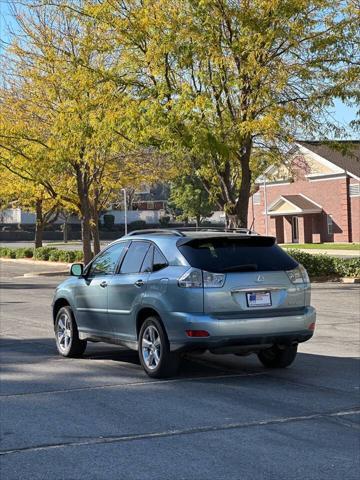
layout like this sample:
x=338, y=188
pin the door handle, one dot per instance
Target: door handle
x=139, y=283
x=103, y=284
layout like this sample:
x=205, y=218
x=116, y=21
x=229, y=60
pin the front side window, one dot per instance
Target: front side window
x=105, y=263
x=134, y=257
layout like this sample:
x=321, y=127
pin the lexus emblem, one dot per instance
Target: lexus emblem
x=260, y=278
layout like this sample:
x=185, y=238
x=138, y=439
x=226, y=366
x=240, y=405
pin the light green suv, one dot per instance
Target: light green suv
x=165, y=292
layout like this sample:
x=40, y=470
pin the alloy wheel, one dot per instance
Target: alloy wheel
x=64, y=332
x=151, y=347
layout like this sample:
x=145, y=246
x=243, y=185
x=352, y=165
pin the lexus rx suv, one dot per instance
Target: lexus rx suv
x=165, y=292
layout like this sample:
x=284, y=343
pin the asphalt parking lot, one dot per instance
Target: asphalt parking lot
x=224, y=417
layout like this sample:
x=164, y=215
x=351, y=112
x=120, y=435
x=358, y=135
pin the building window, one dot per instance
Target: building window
x=354, y=190
x=330, y=225
x=257, y=198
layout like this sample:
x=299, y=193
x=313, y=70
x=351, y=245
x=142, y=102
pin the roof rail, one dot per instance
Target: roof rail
x=161, y=231
x=178, y=232
x=243, y=230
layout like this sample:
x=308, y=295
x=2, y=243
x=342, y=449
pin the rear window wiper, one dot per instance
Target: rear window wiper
x=247, y=267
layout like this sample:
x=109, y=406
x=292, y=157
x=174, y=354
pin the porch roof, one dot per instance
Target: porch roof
x=293, y=205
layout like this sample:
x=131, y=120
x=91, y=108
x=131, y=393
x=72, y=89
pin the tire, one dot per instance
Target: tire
x=67, y=335
x=278, y=357
x=154, y=350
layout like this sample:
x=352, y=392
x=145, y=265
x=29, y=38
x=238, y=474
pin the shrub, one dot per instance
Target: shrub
x=29, y=252
x=137, y=225
x=323, y=265
x=164, y=221
x=16, y=252
x=109, y=221
x=54, y=256
x=4, y=252
x=43, y=253
x=66, y=256
x=8, y=252
x=79, y=256
x=24, y=253
x=349, y=267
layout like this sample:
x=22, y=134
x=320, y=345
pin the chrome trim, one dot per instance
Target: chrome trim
x=123, y=312
x=94, y=337
x=103, y=310
x=263, y=288
x=98, y=310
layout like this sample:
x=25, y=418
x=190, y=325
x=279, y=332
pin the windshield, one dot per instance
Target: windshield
x=222, y=255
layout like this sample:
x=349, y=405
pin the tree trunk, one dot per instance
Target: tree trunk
x=197, y=221
x=83, y=193
x=86, y=238
x=242, y=204
x=95, y=233
x=65, y=231
x=39, y=226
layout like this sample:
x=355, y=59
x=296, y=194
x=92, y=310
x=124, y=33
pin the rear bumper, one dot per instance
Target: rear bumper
x=285, y=329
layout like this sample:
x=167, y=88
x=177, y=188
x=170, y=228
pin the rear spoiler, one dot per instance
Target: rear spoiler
x=248, y=240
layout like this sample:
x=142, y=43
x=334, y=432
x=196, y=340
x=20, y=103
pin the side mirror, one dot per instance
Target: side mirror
x=77, y=269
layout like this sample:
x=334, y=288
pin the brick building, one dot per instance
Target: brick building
x=314, y=198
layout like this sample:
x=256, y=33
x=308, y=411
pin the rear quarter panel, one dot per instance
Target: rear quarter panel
x=165, y=295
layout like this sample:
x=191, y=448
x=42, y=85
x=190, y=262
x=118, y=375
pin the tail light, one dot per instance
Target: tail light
x=298, y=275
x=197, y=333
x=195, y=278
x=213, y=280
x=191, y=279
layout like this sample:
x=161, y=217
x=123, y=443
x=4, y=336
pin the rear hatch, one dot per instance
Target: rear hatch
x=256, y=282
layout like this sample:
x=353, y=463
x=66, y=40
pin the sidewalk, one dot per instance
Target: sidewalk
x=51, y=269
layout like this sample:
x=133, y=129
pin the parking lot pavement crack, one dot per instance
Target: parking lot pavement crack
x=103, y=440
x=130, y=384
x=323, y=388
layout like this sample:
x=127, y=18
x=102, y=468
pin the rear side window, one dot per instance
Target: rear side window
x=148, y=260
x=135, y=257
x=236, y=254
x=160, y=261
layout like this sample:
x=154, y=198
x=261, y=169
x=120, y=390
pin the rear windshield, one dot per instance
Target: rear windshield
x=236, y=255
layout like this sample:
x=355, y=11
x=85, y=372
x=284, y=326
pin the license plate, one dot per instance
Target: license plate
x=258, y=299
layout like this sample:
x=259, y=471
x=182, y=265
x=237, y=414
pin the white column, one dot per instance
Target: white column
x=266, y=209
x=125, y=211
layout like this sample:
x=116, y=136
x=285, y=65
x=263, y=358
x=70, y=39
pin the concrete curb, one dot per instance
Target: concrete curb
x=59, y=273
x=347, y=280
x=350, y=280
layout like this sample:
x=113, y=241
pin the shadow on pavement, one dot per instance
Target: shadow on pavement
x=26, y=286
x=33, y=365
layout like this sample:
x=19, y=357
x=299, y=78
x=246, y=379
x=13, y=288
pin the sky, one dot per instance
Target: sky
x=342, y=113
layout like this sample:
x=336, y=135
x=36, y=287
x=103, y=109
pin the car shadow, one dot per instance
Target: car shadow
x=33, y=365
x=26, y=286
